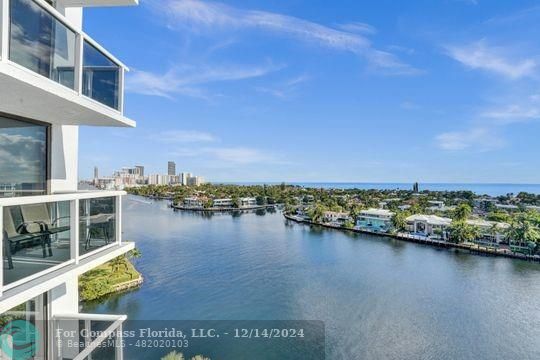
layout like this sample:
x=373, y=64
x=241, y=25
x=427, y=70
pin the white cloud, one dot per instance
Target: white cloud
x=197, y=15
x=479, y=55
x=479, y=138
x=20, y=158
x=358, y=27
x=227, y=156
x=513, y=113
x=183, y=136
x=189, y=80
x=284, y=89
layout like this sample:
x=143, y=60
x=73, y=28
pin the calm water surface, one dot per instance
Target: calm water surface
x=379, y=298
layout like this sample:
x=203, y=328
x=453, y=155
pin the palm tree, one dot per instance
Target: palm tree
x=462, y=212
x=523, y=230
x=119, y=263
x=461, y=232
x=316, y=213
x=399, y=221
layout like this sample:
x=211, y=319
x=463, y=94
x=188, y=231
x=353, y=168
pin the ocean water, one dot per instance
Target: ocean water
x=379, y=298
x=480, y=189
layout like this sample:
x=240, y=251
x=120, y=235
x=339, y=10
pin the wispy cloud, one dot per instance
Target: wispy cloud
x=229, y=156
x=483, y=139
x=409, y=105
x=183, y=136
x=479, y=55
x=513, y=113
x=189, y=80
x=284, y=89
x=194, y=15
x=359, y=28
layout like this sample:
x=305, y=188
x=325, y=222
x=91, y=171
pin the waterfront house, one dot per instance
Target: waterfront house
x=193, y=202
x=438, y=228
x=226, y=203
x=376, y=220
x=337, y=218
x=491, y=232
x=53, y=79
x=429, y=225
x=247, y=202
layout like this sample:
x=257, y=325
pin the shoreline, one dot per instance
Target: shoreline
x=473, y=249
x=196, y=209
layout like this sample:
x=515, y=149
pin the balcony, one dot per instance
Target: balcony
x=88, y=336
x=42, y=235
x=53, y=72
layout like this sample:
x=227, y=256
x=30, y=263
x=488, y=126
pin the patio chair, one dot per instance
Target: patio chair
x=40, y=214
x=13, y=240
x=100, y=227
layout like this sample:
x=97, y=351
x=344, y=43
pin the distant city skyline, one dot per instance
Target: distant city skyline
x=435, y=92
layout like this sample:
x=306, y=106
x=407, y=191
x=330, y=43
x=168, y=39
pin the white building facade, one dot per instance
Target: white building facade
x=53, y=79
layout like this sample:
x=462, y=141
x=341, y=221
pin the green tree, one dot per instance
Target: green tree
x=399, y=221
x=119, y=263
x=316, y=213
x=523, y=229
x=461, y=232
x=462, y=212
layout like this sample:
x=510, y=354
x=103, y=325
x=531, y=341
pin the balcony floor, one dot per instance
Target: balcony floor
x=30, y=261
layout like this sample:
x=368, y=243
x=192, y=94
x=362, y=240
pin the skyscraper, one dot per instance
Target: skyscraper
x=172, y=168
x=139, y=170
x=96, y=172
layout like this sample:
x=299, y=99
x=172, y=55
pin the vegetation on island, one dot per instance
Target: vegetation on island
x=105, y=279
x=519, y=211
x=179, y=356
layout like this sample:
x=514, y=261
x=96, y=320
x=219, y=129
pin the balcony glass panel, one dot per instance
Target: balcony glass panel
x=23, y=158
x=36, y=237
x=101, y=76
x=97, y=224
x=41, y=43
x=23, y=329
x=73, y=337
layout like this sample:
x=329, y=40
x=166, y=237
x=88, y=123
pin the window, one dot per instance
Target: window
x=24, y=332
x=100, y=77
x=23, y=158
x=41, y=43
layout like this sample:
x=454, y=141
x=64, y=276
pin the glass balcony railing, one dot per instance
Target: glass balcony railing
x=101, y=76
x=87, y=336
x=97, y=219
x=41, y=40
x=36, y=238
x=43, y=233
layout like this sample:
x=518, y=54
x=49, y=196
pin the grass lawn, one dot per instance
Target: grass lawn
x=102, y=280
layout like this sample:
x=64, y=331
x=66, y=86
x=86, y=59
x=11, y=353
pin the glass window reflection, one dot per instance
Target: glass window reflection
x=100, y=77
x=23, y=158
x=41, y=43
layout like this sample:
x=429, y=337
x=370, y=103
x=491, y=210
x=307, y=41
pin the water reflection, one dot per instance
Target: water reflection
x=22, y=158
x=379, y=298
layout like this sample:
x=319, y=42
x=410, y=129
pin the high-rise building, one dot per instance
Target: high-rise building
x=171, y=168
x=96, y=173
x=139, y=170
x=53, y=79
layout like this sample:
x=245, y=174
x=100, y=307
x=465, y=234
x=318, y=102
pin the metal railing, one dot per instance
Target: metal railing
x=36, y=37
x=41, y=234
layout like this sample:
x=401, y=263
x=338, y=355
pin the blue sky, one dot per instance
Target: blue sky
x=312, y=90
